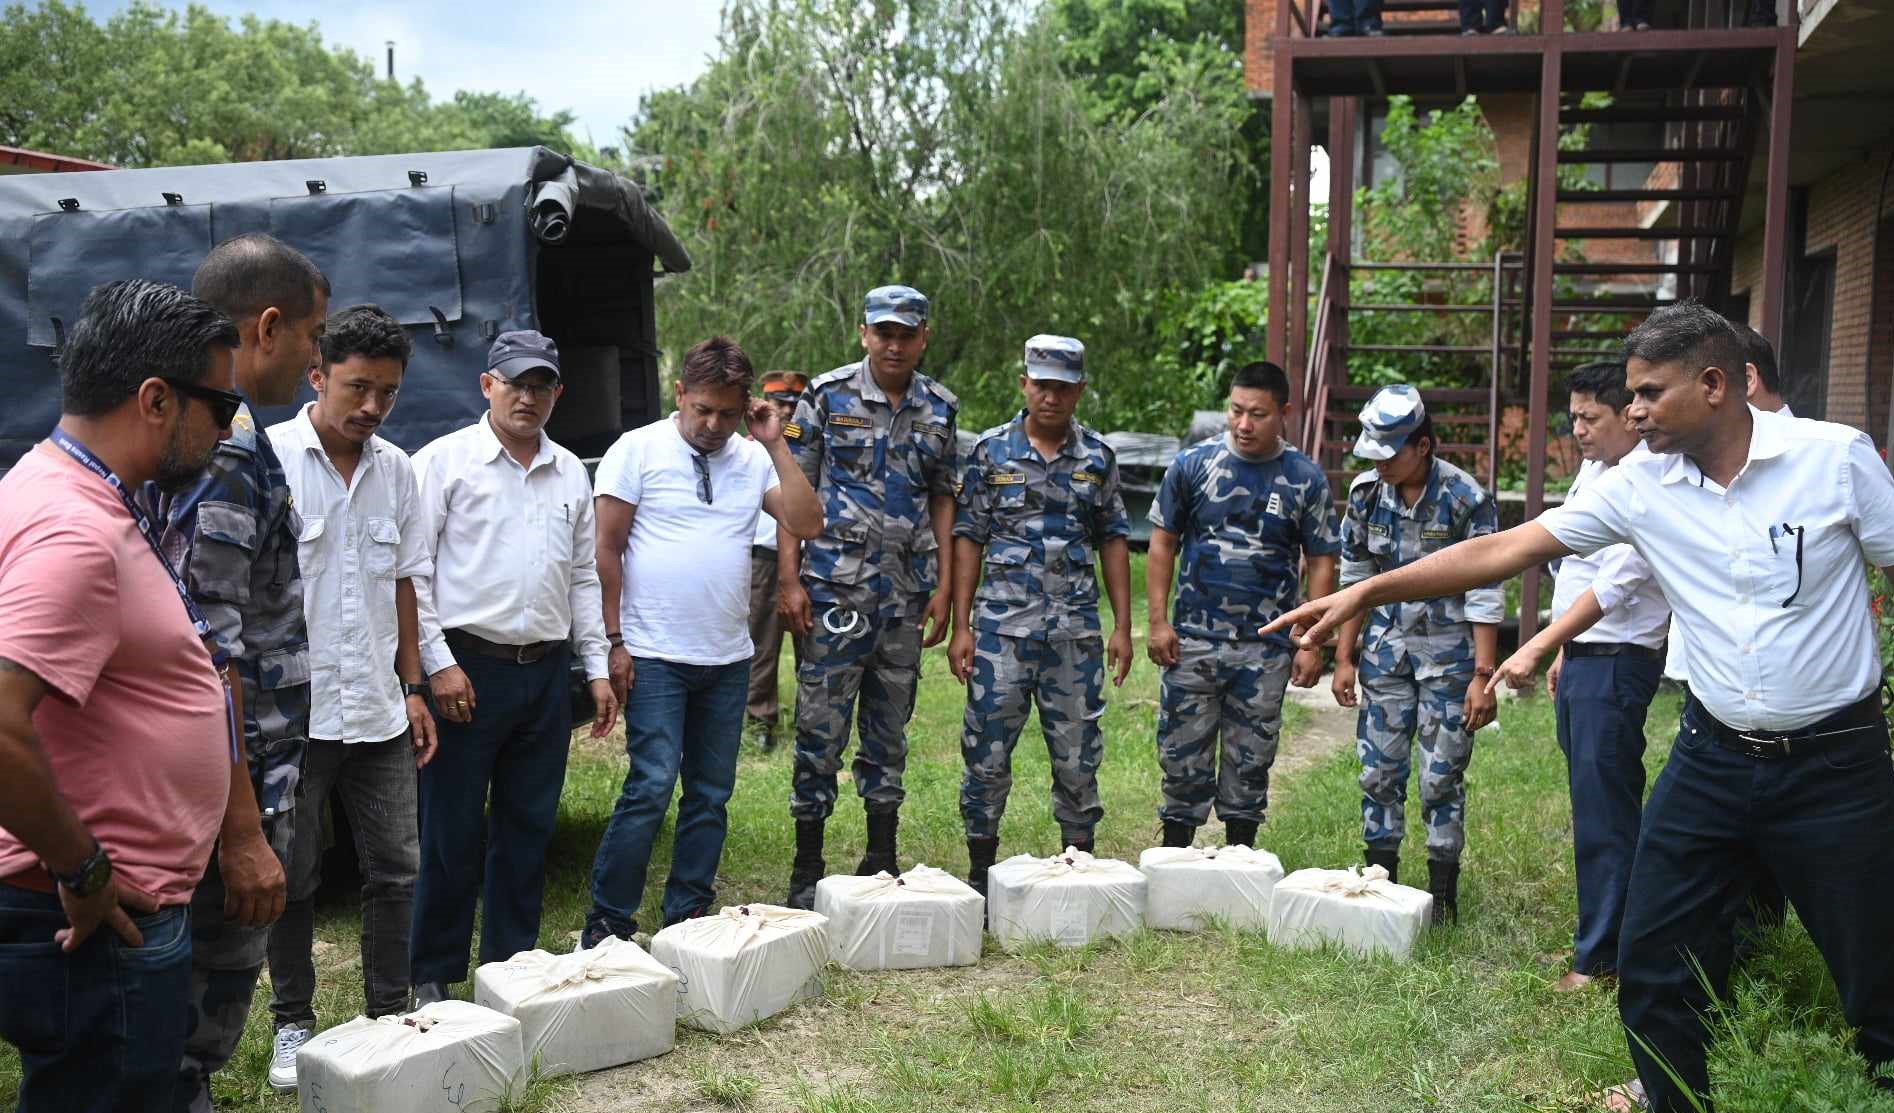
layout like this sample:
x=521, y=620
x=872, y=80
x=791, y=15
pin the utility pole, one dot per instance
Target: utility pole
x=391, y=59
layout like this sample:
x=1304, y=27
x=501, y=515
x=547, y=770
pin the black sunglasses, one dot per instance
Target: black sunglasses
x=224, y=404
x=703, y=477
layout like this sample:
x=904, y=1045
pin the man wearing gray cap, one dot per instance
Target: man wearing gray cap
x=876, y=440
x=1039, y=502
x=1424, y=665
x=507, y=515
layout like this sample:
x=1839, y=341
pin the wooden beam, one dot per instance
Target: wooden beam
x=1341, y=224
x=1281, y=141
x=1544, y=252
x=1775, y=236
x=1379, y=78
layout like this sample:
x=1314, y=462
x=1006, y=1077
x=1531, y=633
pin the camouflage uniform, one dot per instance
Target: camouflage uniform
x=234, y=537
x=1416, y=659
x=1243, y=526
x=1037, y=638
x=874, y=463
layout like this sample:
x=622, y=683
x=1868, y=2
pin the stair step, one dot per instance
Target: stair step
x=1651, y=154
x=1650, y=114
x=1416, y=307
x=1462, y=397
x=1423, y=349
x=1604, y=196
x=1634, y=268
x=1422, y=27
x=1642, y=233
x=1585, y=334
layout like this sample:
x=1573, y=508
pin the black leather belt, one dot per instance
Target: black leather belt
x=1845, y=725
x=1613, y=649
x=460, y=641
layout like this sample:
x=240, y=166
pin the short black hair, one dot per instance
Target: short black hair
x=133, y=330
x=1263, y=375
x=1602, y=379
x=1688, y=331
x=1758, y=350
x=1424, y=429
x=247, y=274
x=365, y=330
x=717, y=362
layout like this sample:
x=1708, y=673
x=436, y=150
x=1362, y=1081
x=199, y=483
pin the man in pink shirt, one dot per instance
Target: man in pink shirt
x=115, y=741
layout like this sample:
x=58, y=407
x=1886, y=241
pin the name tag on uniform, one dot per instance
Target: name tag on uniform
x=1004, y=478
x=931, y=428
x=1377, y=529
x=851, y=421
x=1274, y=509
x=1436, y=534
x=1086, y=477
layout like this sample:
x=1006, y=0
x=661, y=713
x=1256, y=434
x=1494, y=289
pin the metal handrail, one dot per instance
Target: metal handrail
x=1315, y=375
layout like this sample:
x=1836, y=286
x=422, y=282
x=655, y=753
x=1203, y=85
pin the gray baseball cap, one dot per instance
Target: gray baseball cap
x=515, y=353
x=1059, y=358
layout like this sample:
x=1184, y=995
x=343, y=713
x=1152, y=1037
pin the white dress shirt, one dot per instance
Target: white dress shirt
x=358, y=538
x=1627, y=591
x=686, y=593
x=512, y=548
x=1768, y=576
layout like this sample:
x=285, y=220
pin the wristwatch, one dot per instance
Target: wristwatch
x=408, y=689
x=90, y=877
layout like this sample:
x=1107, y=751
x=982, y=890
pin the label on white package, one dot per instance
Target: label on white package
x=913, y=932
x=1070, y=924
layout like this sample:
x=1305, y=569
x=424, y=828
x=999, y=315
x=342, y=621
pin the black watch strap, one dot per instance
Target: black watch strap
x=90, y=877
x=408, y=689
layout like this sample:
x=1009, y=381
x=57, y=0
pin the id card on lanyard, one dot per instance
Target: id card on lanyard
x=71, y=447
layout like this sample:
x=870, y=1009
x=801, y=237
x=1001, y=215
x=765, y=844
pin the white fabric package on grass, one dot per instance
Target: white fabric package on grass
x=448, y=1057
x=744, y=964
x=587, y=1010
x=1070, y=898
x=1192, y=885
x=1360, y=909
x=926, y=917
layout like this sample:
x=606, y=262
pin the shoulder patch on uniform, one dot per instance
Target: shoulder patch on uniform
x=931, y=428
x=851, y=421
x=941, y=392
x=1003, y=478
x=1087, y=477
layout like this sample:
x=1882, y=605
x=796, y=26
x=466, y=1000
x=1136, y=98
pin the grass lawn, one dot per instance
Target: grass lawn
x=1166, y=1022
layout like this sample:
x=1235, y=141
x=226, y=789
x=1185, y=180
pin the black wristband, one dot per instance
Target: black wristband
x=616, y=639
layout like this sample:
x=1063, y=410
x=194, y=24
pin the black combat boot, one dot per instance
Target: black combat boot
x=807, y=869
x=1443, y=880
x=1389, y=860
x=1179, y=834
x=1239, y=832
x=1078, y=842
x=980, y=855
x=881, y=853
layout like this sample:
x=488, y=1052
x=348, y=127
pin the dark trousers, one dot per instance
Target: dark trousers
x=680, y=721
x=766, y=631
x=1602, y=704
x=1633, y=12
x=100, y=1030
x=1482, y=15
x=1821, y=821
x=376, y=782
x=1354, y=17
x=515, y=750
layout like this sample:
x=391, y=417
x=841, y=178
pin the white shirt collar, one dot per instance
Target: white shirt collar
x=1765, y=443
x=492, y=448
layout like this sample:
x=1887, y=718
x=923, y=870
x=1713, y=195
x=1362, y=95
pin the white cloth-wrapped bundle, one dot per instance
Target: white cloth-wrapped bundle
x=925, y=917
x=744, y=964
x=448, y=1057
x=1070, y=898
x=1190, y=885
x=587, y=1010
x=1360, y=909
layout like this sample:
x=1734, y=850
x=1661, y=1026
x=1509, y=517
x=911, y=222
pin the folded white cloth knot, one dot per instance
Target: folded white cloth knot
x=413, y=1020
x=1358, y=882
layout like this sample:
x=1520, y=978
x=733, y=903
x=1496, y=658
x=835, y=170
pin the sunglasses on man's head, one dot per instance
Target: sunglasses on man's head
x=224, y=404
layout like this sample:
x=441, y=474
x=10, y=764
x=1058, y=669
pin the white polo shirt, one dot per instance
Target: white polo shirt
x=513, y=548
x=686, y=593
x=1768, y=576
x=357, y=539
x=1634, y=606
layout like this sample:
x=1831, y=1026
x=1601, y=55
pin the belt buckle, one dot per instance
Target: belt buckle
x=1758, y=747
x=519, y=654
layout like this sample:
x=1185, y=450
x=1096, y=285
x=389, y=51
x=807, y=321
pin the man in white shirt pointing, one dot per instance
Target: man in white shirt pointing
x=514, y=595
x=1759, y=529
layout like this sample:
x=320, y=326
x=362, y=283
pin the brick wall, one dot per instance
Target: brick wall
x=1841, y=218
x=1259, y=23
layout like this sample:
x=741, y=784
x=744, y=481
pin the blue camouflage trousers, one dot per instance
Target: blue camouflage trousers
x=1066, y=680
x=881, y=665
x=1398, y=709
x=1228, y=692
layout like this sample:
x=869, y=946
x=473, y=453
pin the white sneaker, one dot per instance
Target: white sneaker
x=289, y=1040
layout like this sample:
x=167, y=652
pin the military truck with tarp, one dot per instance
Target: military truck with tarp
x=459, y=246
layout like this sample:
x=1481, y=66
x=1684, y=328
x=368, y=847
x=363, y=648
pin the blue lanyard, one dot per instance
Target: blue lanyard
x=199, y=623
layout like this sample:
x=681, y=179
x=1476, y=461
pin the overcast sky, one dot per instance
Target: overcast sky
x=595, y=57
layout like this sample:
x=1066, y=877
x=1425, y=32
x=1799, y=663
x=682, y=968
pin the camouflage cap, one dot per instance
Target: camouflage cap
x=1059, y=358
x=1388, y=419
x=904, y=305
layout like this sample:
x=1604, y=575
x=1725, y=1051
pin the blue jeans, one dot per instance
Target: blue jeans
x=679, y=719
x=1602, y=704
x=1821, y=821
x=517, y=744
x=100, y=1030
x=1354, y=17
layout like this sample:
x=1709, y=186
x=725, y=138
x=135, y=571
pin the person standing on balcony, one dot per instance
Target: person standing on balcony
x=1423, y=667
x=1611, y=618
x=782, y=389
x=1247, y=510
x=1483, y=17
x=1348, y=18
x=1760, y=529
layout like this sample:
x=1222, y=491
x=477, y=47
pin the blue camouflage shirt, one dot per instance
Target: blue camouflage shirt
x=1042, y=523
x=1242, y=526
x=233, y=536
